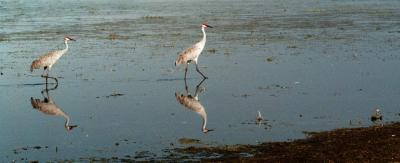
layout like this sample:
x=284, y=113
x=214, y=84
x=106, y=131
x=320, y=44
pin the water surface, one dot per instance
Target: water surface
x=305, y=65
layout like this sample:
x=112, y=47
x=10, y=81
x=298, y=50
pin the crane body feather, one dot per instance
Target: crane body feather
x=47, y=60
x=192, y=53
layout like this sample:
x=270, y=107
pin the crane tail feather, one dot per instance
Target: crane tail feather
x=34, y=103
x=35, y=65
x=181, y=59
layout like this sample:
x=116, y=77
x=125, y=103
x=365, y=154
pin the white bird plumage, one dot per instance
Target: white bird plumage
x=259, y=117
x=48, y=60
x=192, y=54
x=376, y=115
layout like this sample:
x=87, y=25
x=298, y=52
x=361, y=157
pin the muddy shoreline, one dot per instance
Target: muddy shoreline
x=376, y=143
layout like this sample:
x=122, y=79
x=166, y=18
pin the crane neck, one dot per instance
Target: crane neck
x=66, y=120
x=204, y=34
x=203, y=115
x=66, y=45
x=204, y=123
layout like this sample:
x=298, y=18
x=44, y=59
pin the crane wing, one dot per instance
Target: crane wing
x=189, y=54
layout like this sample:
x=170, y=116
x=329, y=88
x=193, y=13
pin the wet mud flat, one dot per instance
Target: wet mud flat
x=380, y=143
x=376, y=143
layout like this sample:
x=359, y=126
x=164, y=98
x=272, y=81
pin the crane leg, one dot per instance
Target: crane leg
x=55, y=80
x=186, y=87
x=197, y=69
x=47, y=71
x=186, y=69
x=44, y=72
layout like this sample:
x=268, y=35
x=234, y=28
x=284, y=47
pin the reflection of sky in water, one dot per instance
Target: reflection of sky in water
x=330, y=63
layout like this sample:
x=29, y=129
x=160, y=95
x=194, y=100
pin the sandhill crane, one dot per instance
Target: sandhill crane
x=193, y=53
x=47, y=106
x=48, y=60
x=192, y=103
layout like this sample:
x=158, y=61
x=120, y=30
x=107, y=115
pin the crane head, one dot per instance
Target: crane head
x=205, y=25
x=206, y=130
x=66, y=38
x=70, y=127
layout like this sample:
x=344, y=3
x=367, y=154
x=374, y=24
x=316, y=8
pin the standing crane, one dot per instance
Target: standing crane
x=48, y=60
x=193, y=53
x=47, y=106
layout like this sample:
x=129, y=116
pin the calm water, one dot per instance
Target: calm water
x=305, y=65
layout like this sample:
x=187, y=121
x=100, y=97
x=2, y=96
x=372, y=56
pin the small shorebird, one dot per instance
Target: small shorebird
x=259, y=117
x=47, y=106
x=376, y=115
x=193, y=53
x=48, y=60
x=192, y=103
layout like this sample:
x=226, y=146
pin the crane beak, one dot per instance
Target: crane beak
x=69, y=128
x=69, y=38
x=206, y=130
x=209, y=26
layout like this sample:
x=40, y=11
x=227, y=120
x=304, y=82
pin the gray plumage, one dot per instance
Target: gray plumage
x=48, y=60
x=192, y=54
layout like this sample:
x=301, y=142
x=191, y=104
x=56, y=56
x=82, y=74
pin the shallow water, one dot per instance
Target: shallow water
x=305, y=65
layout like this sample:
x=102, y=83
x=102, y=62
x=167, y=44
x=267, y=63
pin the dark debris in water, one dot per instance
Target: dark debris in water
x=114, y=94
x=19, y=150
x=138, y=156
x=272, y=86
x=114, y=36
x=172, y=79
x=186, y=141
x=122, y=142
x=152, y=17
x=260, y=123
x=144, y=154
x=213, y=51
x=3, y=38
x=270, y=59
x=245, y=95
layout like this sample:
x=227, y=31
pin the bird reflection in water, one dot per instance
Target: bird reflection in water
x=192, y=103
x=47, y=106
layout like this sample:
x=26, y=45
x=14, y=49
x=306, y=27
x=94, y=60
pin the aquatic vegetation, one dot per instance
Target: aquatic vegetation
x=114, y=36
